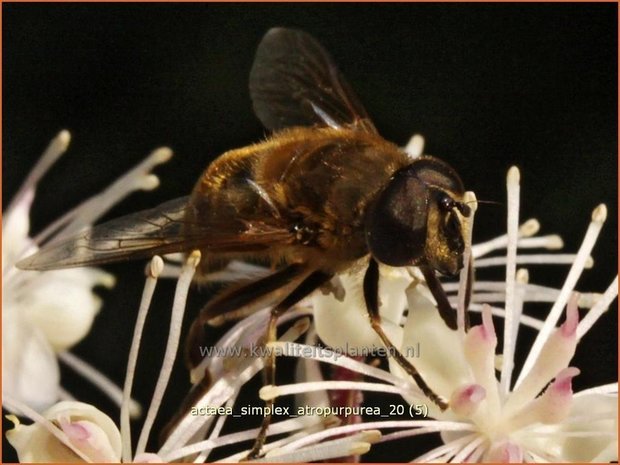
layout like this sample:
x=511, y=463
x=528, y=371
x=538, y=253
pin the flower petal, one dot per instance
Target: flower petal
x=443, y=366
x=589, y=434
x=88, y=429
x=30, y=371
x=554, y=356
x=60, y=300
x=147, y=457
x=602, y=447
x=504, y=452
x=15, y=229
x=344, y=326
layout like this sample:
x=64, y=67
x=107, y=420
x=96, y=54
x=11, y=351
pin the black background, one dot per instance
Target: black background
x=489, y=86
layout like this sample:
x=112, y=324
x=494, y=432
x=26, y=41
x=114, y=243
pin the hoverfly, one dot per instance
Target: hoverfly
x=323, y=193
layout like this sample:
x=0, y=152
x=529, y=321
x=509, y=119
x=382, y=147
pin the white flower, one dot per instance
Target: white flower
x=67, y=432
x=45, y=314
x=529, y=420
x=490, y=418
x=76, y=436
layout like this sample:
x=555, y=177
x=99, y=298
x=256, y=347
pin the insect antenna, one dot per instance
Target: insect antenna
x=488, y=202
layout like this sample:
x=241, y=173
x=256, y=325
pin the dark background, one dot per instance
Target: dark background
x=489, y=86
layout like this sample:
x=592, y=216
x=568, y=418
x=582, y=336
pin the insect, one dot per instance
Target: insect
x=322, y=194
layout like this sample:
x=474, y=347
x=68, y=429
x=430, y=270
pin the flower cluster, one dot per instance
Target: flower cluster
x=35, y=305
x=498, y=411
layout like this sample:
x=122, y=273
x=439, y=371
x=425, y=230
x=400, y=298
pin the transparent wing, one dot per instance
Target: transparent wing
x=161, y=230
x=294, y=82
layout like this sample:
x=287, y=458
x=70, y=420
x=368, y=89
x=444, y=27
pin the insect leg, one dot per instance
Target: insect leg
x=371, y=296
x=307, y=286
x=446, y=311
x=241, y=295
x=245, y=297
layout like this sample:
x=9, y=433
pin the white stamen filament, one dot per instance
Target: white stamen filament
x=500, y=312
x=351, y=445
x=598, y=309
x=551, y=242
x=176, y=319
x=477, y=453
x=522, y=279
x=497, y=286
x=53, y=152
x=510, y=343
x=230, y=339
x=223, y=389
x=87, y=212
x=538, y=259
x=406, y=433
x=611, y=388
x=598, y=218
x=281, y=427
x=271, y=392
x=464, y=453
x=215, y=432
x=154, y=269
x=527, y=229
x=572, y=434
x=514, y=189
x=348, y=429
x=239, y=456
x=445, y=452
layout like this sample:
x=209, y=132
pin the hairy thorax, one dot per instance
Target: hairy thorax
x=313, y=183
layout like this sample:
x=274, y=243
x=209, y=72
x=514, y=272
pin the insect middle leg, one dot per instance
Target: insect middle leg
x=315, y=280
x=371, y=296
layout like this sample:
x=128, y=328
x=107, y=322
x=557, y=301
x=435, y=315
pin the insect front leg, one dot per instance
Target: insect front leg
x=371, y=296
x=315, y=280
x=446, y=311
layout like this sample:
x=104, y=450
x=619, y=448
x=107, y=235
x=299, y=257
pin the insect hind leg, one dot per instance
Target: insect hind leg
x=242, y=298
x=312, y=282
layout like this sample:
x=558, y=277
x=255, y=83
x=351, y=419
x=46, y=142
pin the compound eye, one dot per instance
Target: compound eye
x=446, y=203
